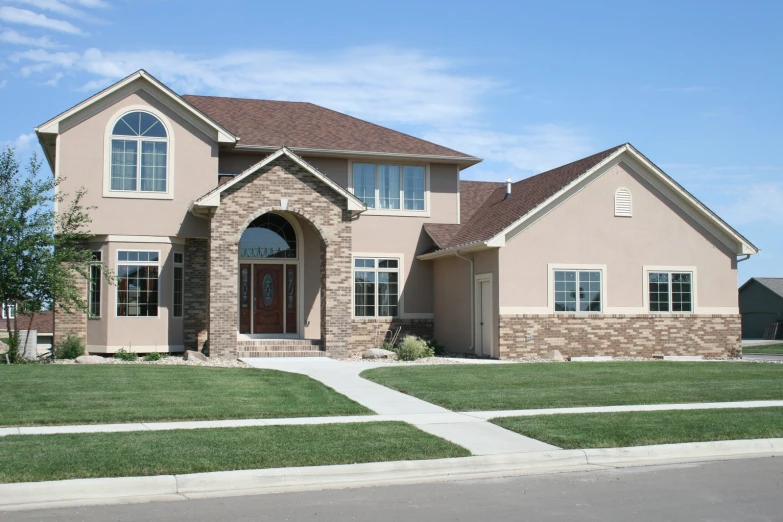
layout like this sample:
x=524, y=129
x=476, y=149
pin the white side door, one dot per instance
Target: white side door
x=484, y=319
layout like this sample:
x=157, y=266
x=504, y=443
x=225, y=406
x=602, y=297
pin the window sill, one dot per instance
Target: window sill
x=398, y=213
x=374, y=319
x=136, y=195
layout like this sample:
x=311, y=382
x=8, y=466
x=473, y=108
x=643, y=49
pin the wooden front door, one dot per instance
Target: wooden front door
x=268, y=299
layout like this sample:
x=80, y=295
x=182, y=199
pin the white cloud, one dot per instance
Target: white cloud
x=760, y=202
x=54, y=6
x=15, y=15
x=532, y=150
x=23, y=144
x=3, y=84
x=12, y=37
x=102, y=4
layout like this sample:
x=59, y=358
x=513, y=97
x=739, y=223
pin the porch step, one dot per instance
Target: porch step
x=281, y=348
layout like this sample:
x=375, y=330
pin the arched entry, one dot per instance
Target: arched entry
x=270, y=255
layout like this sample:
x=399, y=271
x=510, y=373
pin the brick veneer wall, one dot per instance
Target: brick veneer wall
x=196, y=294
x=620, y=335
x=74, y=323
x=369, y=333
x=315, y=202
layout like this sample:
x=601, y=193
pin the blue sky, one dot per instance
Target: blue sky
x=528, y=86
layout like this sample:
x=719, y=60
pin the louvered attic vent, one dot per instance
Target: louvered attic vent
x=622, y=202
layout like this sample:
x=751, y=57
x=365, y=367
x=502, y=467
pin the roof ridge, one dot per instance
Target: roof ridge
x=242, y=98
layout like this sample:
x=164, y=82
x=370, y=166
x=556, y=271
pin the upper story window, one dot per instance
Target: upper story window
x=139, y=154
x=268, y=236
x=10, y=313
x=390, y=187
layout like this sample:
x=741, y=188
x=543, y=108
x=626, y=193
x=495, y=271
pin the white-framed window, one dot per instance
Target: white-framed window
x=670, y=291
x=137, y=283
x=578, y=290
x=376, y=286
x=94, y=297
x=11, y=311
x=392, y=187
x=139, y=154
x=179, y=284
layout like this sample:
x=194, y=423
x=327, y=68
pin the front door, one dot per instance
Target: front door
x=268, y=299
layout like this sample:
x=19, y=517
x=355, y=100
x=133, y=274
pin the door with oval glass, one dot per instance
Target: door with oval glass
x=268, y=299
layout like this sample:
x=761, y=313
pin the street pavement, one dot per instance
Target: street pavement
x=733, y=490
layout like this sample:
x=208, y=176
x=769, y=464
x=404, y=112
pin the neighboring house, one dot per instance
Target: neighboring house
x=761, y=303
x=41, y=322
x=279, y=228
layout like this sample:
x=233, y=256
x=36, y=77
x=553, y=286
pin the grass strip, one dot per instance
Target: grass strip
x=616, y=430
x=767, y=349
x=478, y=387
x=33, y=458
x=46, y=394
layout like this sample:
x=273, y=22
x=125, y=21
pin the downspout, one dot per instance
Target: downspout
x=747, y=256
x=472, y=304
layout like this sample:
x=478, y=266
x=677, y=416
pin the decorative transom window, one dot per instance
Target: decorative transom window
x=622, y=203
x=137, y=283
x=577, y=291
x=139, y=150
x=670, y=291
x=268, y=236
x=94, y=296
x=390, y=187
x=376, y=287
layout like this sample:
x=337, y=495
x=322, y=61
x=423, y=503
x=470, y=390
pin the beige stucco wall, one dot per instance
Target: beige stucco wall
x=193, y=170
x=452, y=303
x=584, y=230
x=141, y=334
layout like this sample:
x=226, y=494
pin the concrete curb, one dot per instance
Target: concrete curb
x=38, y=495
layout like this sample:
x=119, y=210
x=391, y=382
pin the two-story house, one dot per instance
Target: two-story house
x=254, y=227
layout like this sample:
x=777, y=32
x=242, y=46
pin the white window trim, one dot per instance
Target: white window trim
x=400, y=279
x=646, y=269
x=174, y=265
x=157, y=263
x=137, y=194
x=552, y=267
x=11, y=312
x=401, y=211
x=100, y=290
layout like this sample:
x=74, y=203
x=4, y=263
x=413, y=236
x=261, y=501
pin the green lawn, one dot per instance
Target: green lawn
x=613, y=430
x=768, y=349
x=32, y=458
x=87, y=394
x=476, y=387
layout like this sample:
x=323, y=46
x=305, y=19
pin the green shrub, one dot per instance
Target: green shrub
x=69, y=348
x=125, y=355
x=13, y=354
x=412, y=348
x=153, y=356
x=437, y=348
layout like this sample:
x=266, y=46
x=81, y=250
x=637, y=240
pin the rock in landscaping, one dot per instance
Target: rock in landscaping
x=90, y=359
x=555, y=355
x=379, y=353
x=195, y=356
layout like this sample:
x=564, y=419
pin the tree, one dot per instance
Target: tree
x=42, y=251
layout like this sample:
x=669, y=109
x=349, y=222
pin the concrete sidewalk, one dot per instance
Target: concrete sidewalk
x=480, y=438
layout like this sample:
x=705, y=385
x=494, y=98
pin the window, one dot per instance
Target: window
x=94, y=298
x=179, y=283
x=137, y=283
x=11, y=311
x=622, y=202
x=390, y=187
x=376, y=287
x=577, y=291
x=139, y=149
x=268, y=236
x=671, y=291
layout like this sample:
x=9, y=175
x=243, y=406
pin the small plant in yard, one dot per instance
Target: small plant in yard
x=69, y=348
x=153, y=356
x=412, y=348
x=436, y=347
x=124, y=355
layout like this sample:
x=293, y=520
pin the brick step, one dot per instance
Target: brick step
x=268, y=344
x=286, y=353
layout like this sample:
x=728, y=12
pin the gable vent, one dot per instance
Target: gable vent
x=622, y=202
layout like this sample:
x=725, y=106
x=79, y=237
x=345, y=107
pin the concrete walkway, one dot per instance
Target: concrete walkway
x=480, y=438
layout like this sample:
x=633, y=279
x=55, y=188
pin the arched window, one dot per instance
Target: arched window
x=139, y=150
x=268, y=236
x=622, y=202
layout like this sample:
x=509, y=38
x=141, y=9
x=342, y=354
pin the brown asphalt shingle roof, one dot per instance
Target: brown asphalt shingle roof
x=305, y=125
x=42, y=322
x=473, y=194
x=496, y=213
